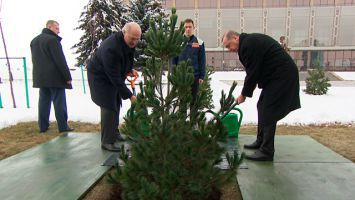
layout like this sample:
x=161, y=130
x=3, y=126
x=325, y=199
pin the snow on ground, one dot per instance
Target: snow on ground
x=335, y=107
x=347, y=76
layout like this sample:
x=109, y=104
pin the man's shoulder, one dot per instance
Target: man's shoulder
x=198, y=40
x=112, y=40
x=35, y=39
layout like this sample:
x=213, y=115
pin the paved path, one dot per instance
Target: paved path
x=302, y=169
x=62, y=168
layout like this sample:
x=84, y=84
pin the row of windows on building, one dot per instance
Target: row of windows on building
x=191, y=4
x=304, y=27
x=332, y=60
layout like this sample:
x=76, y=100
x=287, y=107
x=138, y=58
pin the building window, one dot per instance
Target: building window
x=230, y=20
x=253, y=19
x=230, y=3
x=346, y=35
x=346, y=2
x=167, y=4
x=323, y=2
x=323, y=26
x=253, y=4
x=185, y=4
x=207, y=4
x=352, y=61
x=299, y=3
x=208, y=27
x=276, y=23
x=275, y=3
x=299, y=27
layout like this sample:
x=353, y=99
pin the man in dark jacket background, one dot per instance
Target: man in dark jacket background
x=269, y=67
x=107, y=70
x=51, y=75
x=195, y=52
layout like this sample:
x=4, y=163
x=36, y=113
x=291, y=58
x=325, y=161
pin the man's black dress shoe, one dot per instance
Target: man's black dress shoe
x=254, y=145
x=120, y=138
x=111, y=147
x=66, y=130
x=259, y=156
x=43, y=131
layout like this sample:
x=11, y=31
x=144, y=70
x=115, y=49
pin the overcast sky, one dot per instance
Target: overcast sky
x=22, y=20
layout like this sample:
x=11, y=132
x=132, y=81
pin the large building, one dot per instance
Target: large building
x=317, y=31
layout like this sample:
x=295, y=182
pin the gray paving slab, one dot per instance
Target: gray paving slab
x=302, y=169
x=62, y=168
x=297, y=181
x=293, y=148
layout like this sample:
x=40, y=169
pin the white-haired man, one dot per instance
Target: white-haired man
x=107, y=70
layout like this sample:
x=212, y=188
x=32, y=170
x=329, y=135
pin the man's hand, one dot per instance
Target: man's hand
x=69, y=82
x=200, y=81
x=133, y=99
x=240, y=99
x=133, y=73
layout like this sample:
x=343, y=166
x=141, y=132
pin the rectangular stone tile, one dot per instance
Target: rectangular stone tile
x=62, y=168
x=290, y=148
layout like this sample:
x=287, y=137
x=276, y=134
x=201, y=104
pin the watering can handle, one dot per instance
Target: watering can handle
x=225, y=114
x=230, y=109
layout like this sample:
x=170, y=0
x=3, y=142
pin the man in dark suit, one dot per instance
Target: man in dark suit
x=51, y=75
x=107, y=70
x=269, y=67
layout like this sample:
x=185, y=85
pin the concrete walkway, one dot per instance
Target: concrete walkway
x=62, y=168
x=302, y=169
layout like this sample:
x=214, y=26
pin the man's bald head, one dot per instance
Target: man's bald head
x=230, y=41
x=132, y=33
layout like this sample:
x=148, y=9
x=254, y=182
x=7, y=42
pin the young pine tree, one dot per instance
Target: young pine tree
x=174, y=149
x=98, y=20
x=317, y=83
x=142, y=11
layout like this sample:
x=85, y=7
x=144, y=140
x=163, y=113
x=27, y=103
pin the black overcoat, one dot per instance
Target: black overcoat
x=107, y=70
x=269, y=67
x=50, y=68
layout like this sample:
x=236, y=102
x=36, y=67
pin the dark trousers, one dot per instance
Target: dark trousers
x=266, y=137
x=194, y=89
x=109, y=125
x=266, y=132
x=46, y=97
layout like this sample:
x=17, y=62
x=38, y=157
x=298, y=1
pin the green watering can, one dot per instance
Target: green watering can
x=144, y=124
x=231, y=120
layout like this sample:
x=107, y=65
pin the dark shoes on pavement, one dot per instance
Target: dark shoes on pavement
x=111, y=147
x=60, y=131
x=120, y=138
x=259, y=156
x=254, y=145
x=66, y=130
x=116, y=146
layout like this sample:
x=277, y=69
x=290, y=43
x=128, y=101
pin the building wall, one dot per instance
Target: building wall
x=315, y=29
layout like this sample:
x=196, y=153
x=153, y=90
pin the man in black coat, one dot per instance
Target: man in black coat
x=269, y=67
x=107, y=70
x=51, y=75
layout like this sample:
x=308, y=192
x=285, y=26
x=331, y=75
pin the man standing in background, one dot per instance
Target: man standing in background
x=51, y=75
x=195, y=52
